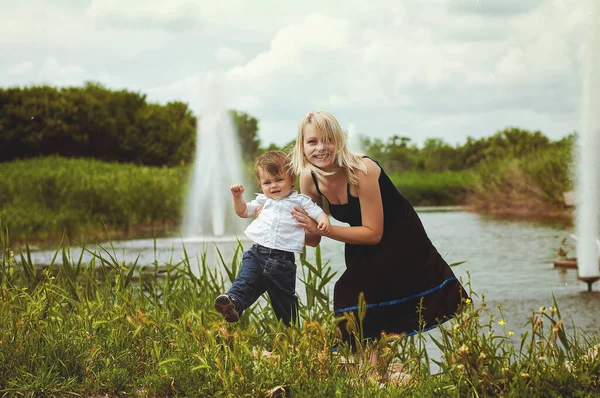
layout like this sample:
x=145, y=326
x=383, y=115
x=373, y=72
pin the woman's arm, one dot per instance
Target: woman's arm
x=369, y=194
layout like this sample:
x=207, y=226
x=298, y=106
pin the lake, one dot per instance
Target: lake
x=510, y=262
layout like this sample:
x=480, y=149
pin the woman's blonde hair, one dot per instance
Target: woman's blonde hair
x=328, y=125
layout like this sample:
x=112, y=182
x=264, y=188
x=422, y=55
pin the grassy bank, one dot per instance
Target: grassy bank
x=106, y=327
x=531, y=186
x=434, y=188
x=42, y=198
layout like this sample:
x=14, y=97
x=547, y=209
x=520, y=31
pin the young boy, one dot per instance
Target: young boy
x=269, y=265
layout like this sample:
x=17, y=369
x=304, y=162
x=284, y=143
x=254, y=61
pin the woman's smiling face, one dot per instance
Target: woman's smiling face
x=317, y=151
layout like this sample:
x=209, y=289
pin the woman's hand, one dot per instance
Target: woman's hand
x=305, y=221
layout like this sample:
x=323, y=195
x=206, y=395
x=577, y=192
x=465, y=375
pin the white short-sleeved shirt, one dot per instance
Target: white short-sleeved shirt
x=275, y=227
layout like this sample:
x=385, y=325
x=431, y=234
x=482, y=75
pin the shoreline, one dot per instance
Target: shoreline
x=549, y=215
x=441, y=209
x=144, y=231
x=163, y=229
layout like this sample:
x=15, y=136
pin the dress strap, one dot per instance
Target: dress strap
x=348, y=185
x=314, y=177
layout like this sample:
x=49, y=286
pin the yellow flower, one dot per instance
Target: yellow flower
x=501, y=322
x=510, y=333
x=468, y=301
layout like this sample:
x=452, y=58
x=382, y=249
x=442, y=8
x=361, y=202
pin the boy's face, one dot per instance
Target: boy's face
x=275, y=186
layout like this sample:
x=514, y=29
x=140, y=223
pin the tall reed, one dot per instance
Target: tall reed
x=530, y=186
x=115, y=327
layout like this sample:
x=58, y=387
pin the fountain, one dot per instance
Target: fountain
x=588, y=161
x=218, y=164
x=354, y=139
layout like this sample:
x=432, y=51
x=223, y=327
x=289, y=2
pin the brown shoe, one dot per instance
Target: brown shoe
x=225, y=306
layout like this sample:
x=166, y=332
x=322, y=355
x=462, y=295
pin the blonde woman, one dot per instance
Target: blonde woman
x=389, y=258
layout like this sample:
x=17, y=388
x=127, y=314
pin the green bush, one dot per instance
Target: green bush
x=552, y=171
x=536, y=181
x=94, y=122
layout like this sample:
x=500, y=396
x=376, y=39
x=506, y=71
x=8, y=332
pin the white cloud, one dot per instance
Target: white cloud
x=494, y=9
x=338, y=100
x=228, y=57
x=293, y=53
x=248, y=103
x=187, y=90
x=63, y=74
x=512, y=63
x=429, y=68
x=20, y=68
x=176, y=15
x=279, y=132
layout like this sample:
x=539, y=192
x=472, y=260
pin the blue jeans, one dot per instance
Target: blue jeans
x=270, y=270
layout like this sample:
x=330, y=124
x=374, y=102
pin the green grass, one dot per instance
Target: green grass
x=44, y=197
x=114, y=328
x=434, y=188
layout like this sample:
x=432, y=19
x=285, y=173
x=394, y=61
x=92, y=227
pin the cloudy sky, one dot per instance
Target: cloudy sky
x=418, y=68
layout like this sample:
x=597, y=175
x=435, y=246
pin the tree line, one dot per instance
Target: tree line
x=398, y=154
x=110, y=125
x=120, y=125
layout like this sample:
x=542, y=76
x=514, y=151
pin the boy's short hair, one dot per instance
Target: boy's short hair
x=274, y=163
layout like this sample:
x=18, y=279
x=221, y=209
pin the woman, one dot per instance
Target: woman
x=406, y=283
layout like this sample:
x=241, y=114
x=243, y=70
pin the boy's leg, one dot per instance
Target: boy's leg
x=280, y=281
x=246, y=288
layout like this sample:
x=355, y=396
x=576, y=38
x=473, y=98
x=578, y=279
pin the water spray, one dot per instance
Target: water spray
x=588, y=160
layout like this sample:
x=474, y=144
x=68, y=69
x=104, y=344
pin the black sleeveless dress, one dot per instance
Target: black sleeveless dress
x=399, y=275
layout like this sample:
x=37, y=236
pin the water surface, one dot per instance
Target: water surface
x=509, y=262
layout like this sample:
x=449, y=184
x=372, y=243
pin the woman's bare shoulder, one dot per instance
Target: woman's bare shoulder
x=305, y=177
x=373, y=169
x=307, y=185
